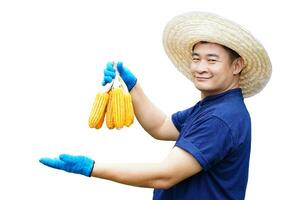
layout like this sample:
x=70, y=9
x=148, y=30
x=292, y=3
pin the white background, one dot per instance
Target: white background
x=52, y=54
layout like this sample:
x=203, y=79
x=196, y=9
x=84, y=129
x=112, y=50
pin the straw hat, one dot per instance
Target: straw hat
x=183, y=31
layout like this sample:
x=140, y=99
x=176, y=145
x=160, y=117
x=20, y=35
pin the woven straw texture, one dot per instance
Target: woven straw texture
x=183, y=31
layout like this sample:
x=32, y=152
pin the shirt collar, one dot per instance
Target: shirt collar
x=236, y=92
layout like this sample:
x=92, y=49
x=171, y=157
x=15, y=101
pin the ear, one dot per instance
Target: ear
x=238, y=65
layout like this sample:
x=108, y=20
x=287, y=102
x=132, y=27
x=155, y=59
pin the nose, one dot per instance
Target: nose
x=199, y=67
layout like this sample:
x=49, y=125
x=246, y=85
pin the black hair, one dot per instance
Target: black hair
x=232, y=54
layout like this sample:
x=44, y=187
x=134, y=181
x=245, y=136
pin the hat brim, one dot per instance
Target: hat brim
x=184, y=31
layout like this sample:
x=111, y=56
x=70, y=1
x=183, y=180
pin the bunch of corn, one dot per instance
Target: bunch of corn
x=114, y=104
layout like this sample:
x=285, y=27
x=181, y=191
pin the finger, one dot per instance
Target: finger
x=110, y=67
x=109, y=73
x=104, y=82
x=67, y=158
x=54, y=163
x=120, y=67
x=107, y=79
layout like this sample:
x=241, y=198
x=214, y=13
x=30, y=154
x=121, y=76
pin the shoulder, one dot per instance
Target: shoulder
x=236, y=117
x=183, y=114
x=230, y=111
x=180, y=117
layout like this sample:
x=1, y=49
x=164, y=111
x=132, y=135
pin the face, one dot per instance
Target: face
x=212, y=70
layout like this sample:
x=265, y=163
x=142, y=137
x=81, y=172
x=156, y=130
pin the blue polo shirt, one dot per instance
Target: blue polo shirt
x=217, y=133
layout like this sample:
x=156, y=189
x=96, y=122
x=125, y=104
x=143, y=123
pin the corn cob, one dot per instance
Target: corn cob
x=99, y=125
x=129, y=113
x=109, y=113
x=118, y=107
x=98, y=110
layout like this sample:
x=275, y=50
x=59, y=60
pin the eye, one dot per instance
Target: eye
x=211, y=61
x=195, y=59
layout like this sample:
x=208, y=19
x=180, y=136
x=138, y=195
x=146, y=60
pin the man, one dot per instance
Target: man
x=210, y=158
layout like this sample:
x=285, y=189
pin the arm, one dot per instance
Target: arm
x=177, y=166
x=151, y=118
x=160, y=175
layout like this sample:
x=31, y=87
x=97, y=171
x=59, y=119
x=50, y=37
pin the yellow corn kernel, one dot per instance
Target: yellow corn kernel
x=98, y=110
x=109, y=113
x=129, y=112
x=118, y=107
x=99, y=125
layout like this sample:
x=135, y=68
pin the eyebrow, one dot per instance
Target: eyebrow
x=195, y=54
x=213, y=55
x=208, y=55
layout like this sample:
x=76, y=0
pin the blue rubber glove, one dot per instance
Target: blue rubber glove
x=126, y=75
x=74, y=164
x=109, y=73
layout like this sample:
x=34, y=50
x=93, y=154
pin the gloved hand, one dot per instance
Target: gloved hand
x=126, y=75
x=74, y=164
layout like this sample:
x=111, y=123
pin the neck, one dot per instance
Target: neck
x=205, y=94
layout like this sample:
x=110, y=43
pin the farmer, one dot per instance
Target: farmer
x=210, y=159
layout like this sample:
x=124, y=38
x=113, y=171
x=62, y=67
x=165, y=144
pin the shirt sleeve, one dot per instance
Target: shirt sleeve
x=180, y=117
x=207, y=141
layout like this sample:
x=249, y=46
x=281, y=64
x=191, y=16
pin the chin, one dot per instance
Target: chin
x=205, y=88
x=202, y=86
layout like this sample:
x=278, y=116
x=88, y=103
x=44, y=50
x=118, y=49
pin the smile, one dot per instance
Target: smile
x=202, y=78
